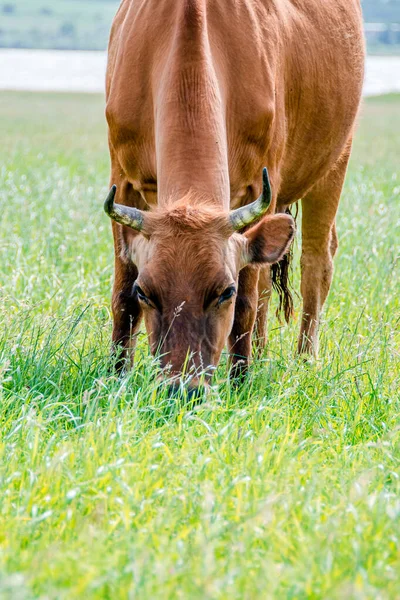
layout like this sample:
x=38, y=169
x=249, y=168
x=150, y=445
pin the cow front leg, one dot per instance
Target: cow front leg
x=319, y=245
x=264, y=296
x=127, y=314
x=240, y=338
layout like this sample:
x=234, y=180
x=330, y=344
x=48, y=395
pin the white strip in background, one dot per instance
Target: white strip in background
x=70, y=71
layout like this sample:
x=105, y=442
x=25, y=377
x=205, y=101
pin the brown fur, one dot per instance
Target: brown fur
x=190, y=214
x=201, y=94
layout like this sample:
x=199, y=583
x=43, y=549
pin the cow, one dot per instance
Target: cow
x=222, y=114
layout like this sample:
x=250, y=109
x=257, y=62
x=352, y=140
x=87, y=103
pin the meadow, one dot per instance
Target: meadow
x=285, y=488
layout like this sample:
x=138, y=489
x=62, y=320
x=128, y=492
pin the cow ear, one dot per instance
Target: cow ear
x=269, y=240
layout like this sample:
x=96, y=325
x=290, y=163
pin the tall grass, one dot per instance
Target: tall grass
x=285, y=488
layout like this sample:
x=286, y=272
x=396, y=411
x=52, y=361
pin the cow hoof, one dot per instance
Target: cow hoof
x=190, y=394
x=307, y=359
x=239, y=372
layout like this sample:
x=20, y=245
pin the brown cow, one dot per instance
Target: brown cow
x=201, y=94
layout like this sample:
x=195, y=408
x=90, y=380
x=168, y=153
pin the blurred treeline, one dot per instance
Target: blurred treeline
x=58, y=24
x=381, y=11
x=85, y=24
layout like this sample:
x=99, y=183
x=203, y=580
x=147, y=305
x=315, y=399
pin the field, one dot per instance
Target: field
x=287, y=488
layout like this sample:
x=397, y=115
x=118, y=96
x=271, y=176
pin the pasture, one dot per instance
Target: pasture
x=286, y=488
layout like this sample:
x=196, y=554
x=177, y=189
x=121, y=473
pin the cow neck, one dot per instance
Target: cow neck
x=191, y=140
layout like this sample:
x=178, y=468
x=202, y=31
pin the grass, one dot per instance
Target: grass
x=288, y=488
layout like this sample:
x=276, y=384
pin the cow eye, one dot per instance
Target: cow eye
x=141, y=295
x=227, y=294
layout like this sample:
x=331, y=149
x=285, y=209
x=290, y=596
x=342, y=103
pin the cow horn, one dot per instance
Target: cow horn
x=246, y=215
x=125, y=215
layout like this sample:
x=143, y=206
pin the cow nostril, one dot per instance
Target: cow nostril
x=186, y=392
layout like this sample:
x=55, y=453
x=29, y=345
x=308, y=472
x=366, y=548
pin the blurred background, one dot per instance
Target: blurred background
x=72, y=35
x=84, y=24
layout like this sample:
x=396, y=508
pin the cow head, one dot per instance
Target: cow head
x=189, y=257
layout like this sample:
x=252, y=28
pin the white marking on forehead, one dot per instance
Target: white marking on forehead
x=234, y=253
x=238, y=245
x=141, y=251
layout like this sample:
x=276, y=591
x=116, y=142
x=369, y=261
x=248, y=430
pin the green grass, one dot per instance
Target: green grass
x=288, y=488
